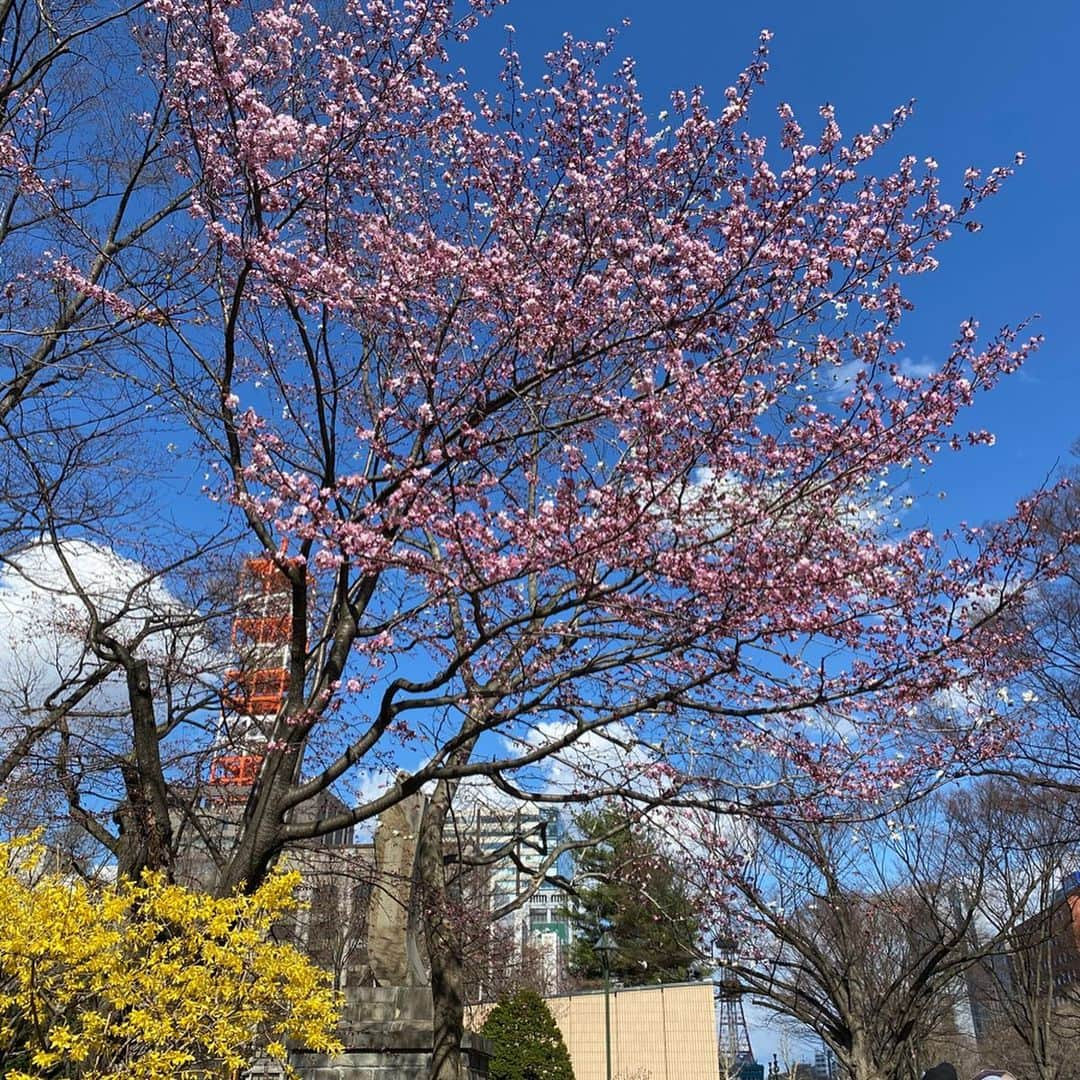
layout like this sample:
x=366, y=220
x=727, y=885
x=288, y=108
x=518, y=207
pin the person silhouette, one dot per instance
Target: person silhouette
x=943, y=1070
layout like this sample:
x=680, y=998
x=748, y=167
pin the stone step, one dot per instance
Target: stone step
x=389, y=1035
x=381, y=1003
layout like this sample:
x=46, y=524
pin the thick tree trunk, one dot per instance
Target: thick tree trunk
x=443, y=941
x=145, y=841
x=260, y=842
x=860, y=1062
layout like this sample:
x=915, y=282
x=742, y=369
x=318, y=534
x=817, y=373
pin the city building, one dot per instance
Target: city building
x=1040, y=961
x=515, y=843
x=825, y=1064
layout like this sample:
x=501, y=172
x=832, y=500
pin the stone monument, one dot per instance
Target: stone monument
x=395, y=932
x=387, y=1028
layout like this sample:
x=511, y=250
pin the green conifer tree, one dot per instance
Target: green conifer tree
x=630, y=887
x=528, y=1043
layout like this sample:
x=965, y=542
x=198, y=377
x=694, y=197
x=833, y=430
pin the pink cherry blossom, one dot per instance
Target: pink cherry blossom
x=578, y=419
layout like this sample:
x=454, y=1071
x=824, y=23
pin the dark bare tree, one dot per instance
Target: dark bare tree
x=1025, y=993
x=863, y=932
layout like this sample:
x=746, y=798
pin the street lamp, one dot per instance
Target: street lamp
x=605, y=947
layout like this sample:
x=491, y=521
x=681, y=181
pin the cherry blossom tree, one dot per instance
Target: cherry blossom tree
x=537, y=407
x=566, y=427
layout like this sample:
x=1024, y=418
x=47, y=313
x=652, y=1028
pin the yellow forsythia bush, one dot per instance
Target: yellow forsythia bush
x=146, y=980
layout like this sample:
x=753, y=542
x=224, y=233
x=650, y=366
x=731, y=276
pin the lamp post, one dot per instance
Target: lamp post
x=605, y=947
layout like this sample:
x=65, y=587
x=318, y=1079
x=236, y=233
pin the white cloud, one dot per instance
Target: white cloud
x=917, y=369
x=609, y=756
x=45, y=624
x=364, y=786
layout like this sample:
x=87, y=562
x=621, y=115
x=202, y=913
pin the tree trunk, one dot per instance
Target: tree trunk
x=145, y=841
x=443, y=939
x=859, y=1063
x=261, y=836
x=258, y=847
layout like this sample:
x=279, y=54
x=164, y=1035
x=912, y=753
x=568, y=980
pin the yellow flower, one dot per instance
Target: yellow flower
x=146, y=980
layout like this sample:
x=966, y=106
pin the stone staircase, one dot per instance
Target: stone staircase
x=387, y=1032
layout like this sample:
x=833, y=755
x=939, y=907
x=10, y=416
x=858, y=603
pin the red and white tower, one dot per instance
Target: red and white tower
x=255, y=690
x=733, y=1035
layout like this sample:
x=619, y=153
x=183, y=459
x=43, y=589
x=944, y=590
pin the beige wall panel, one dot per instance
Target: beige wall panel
x=657, y=1032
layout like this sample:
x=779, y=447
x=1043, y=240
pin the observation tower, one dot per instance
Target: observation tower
x=733, y=1036
x=255, y=690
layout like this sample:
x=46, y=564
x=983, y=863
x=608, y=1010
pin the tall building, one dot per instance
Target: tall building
x=825, y=1064
x=733, y=1034
x=255, y=689
x=517, y=841
x=1057, y=931
x=1038, y=965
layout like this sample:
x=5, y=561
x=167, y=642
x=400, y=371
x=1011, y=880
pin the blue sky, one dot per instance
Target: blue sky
x=989, y=80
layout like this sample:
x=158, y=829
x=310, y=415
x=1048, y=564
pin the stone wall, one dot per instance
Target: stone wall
x=387, y=1033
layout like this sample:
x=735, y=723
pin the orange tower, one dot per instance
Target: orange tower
x=733, y=1035
x=255, y=691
